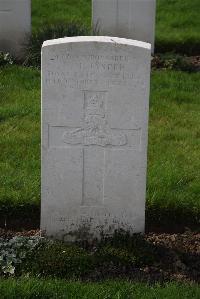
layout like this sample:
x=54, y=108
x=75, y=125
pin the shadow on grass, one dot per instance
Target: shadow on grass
x=171, y=219
x=158, y=219
x=186, y=47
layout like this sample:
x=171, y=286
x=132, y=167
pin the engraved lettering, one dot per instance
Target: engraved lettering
x=95, y=69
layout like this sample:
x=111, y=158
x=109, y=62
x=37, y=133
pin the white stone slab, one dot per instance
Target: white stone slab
x=95, y=98
x=15, y=25
x=133, y=19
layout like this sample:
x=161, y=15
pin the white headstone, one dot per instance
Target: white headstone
x=133, y=19
x=95, y=98
x=15, y=25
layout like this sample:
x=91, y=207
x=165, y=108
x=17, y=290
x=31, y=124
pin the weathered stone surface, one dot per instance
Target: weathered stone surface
x=133, y=19
x=15, y=25
x=95, y=97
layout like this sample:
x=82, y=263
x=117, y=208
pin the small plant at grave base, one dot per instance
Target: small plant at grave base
x=48, y=32
x=13, y=252
x=128, y=250
x=5, y=58
x=121, y=252
x=58, y=259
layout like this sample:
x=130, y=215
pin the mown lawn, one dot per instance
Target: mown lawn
x=173, y=155
x=54, y=11
x=174, y=142
x=38, y=288
x=20, y=137
x=177, y=26
x=177, y=21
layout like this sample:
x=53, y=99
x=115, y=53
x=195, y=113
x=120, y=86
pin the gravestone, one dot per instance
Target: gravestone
x=95, y=97
x=15, y=25
x=133, y=19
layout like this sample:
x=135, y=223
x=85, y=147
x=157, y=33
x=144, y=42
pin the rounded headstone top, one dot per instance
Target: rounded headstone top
x=98, y=39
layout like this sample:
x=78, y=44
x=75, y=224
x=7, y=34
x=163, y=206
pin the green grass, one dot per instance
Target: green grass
x=174, y=140
x=177, y=26
x=54, y=11
x=177, y=21
x=20, y=137
x=38, y=288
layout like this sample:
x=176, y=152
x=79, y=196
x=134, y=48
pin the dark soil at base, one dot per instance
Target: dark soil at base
x=179, y=259
x=172, y=61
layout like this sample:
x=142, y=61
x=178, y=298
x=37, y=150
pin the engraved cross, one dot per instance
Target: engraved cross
x=95, y=137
